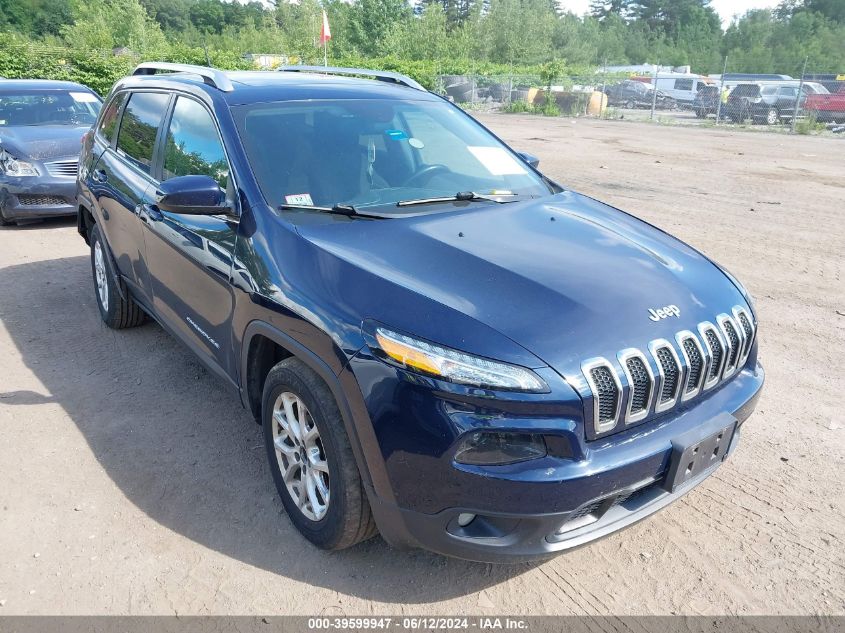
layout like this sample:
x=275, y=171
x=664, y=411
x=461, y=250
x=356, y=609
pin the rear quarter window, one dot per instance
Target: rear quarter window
x=139, y=127
x=108, y=122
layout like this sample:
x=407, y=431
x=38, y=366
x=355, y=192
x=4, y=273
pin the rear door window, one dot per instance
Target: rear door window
x=683, y=84
x=139, y=127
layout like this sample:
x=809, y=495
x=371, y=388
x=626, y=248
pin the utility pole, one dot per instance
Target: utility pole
x=603, y=88
x=721, y=90
x=654, y=91
x=798, y=97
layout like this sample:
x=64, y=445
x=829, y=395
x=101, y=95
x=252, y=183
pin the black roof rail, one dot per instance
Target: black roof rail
x=381, y=75
x=210, y=76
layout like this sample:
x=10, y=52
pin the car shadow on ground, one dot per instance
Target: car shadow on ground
x=177, y=443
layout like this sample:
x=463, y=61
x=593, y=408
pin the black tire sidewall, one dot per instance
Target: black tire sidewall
x=327, y=531
x=109, y=315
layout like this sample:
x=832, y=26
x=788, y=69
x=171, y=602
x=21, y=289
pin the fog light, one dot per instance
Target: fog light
x=465, y=518
x=485, y=448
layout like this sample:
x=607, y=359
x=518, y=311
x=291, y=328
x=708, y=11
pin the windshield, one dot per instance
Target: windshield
x=376, y=153
x=816, y=89
x=48, y=107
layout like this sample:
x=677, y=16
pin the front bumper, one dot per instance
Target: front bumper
x=532, y=510
x=35, y=197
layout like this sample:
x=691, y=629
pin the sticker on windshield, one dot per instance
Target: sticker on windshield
x=300, y=198
x=83, y=97
x=396, y=135
x=415, y=142
x=497, y=161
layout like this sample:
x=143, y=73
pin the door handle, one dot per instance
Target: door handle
x=149, y=213
x=99, y=175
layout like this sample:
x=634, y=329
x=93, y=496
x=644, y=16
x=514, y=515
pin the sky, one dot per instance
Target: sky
x=725, y=8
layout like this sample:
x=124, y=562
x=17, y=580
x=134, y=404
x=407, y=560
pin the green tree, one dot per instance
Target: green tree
x=107, y=24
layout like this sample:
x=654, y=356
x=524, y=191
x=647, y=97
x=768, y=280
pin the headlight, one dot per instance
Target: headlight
x=456, y=366
x=11, y=166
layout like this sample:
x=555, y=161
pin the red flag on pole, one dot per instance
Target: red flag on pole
x=325, y=31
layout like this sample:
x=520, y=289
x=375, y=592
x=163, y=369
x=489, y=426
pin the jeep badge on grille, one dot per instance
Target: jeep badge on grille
x=664, y=312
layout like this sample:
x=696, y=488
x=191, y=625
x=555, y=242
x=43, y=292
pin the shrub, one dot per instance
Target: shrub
x=809, y=124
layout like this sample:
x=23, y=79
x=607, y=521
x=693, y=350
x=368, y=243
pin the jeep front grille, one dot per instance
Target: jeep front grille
x=637, y=385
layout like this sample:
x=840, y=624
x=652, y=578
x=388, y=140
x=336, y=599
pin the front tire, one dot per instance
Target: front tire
x=311, y=458
x=117, y=307
x=3, y=220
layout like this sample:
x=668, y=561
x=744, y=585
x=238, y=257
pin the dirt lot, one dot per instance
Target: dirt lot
x=133, y=483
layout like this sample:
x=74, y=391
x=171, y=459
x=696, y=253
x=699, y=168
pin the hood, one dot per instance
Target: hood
x=43, y=142
x=567, y=278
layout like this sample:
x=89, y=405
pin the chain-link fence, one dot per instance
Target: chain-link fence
x=814, y=104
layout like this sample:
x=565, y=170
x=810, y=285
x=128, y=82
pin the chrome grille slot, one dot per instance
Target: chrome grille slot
x=669, y=374
x=747, y=331
x=607, y=393
x=732, y=344
x=696, y=363
x=640, y=384
x=670, y=371
x=715, y=352
x=62, y=168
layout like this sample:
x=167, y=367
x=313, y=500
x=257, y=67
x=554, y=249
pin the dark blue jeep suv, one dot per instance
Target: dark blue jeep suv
x=441, y=344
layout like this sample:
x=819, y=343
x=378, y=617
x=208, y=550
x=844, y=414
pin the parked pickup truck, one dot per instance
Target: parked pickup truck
x=827, y=107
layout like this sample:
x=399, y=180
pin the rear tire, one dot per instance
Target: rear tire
x=117, y=307
x=772, y=117
x=311, y=458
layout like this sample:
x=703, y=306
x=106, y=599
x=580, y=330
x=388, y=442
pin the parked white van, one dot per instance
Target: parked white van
x=682, y=87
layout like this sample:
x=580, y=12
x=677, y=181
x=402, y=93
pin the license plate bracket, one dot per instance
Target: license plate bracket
x=699, y=451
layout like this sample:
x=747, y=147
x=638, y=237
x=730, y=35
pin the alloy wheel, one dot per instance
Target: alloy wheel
x=100, y=276
x=300, y=456
x=772, y=116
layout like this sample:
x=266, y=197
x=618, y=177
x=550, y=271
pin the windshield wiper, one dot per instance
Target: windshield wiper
x=461, y=196
x=339, y=209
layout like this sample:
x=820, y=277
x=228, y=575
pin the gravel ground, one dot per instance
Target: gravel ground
x=133, y=483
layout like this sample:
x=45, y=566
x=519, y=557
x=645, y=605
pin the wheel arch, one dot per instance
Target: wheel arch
x=263, y=346
x=84, y=222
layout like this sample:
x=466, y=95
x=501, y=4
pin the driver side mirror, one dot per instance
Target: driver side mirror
x=192, y=195
x=530, y=159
